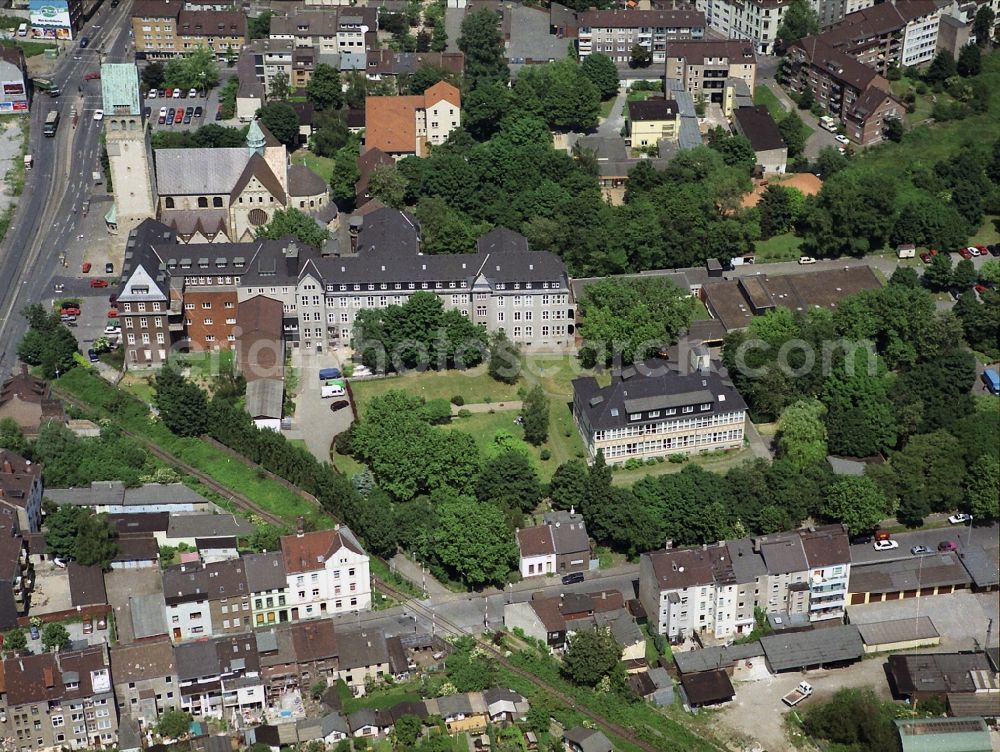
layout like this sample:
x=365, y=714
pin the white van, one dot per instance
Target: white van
x=827, y=123
x=332, y=389
x=22, y=30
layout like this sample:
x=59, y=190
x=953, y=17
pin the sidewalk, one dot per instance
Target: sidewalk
x=410, y=570
x=485, y=407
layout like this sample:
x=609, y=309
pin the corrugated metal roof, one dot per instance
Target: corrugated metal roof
x=120, y=89
x=264, y=398
x=820, y=646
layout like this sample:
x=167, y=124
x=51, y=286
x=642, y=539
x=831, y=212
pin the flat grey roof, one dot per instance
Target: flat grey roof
x=980, y=566
x=819, y=646
x=898, y=630
x=208, y=526
x=909, y=574
x=148, y=615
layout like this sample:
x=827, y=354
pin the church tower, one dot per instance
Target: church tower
x=129, y=151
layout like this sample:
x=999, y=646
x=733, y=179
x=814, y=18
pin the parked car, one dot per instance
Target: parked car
x=67, y=317
x=163, y=116
x=198, y=111
x=187, y=116
x=994, y=249
x=192, y=93
x=112, y=313
x=92, y=76
x=98, y=115
x=102, y=622
x=960, y=518
x=70, y=310
x=218, y=113
x=885, y=545
x=973, y=251
x=926, y=257
x=146, y=112
x=110, y=329
x=947, y=546
x=109, y=268
x=92, y=355
x=88, y=625
x=59, y=287
x=981, y=288
x=920, y=550
x=85, y=267
x=178, y=114
x=807, y=260
x=151, y=94
x=170, y=117
x=338, y=405
x=842, y=139
x=35, y=634
x=168, y=92
x=98, y=283
x=572, y=577
x=178, y=93
x=966, y=253
x=84, y=41
x=861, y=539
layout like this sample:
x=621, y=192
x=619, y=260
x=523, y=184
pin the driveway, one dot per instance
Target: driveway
x=819, y=139
x=962, y=619
x=314, y=422
x=985, y=536
x=612, y=125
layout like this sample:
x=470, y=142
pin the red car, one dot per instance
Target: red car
x=70, y=311
x=85, y=268
x=981, y=288
x=98, y=283
x=925, y=257
x=168, y=93
x=964, y=253
x=982, y=249
x=179, y=115
x=113, y=313
x=92, y=76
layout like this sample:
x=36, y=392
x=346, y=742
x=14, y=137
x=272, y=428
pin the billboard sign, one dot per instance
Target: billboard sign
x=50, y=19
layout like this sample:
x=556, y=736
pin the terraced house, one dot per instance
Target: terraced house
x=165, y=28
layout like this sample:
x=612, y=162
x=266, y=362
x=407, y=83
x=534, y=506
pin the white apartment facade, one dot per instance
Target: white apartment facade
x=327, y=573
x=920, y=39
x=615, y=32
x=756, y=20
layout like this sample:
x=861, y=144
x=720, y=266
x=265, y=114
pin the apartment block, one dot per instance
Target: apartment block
x=656, y=408
x=889, y=35
x=220, y=676
x=615, y=32
x=754, y=20
x=706, y=67
x=268, y=586
x=16, y=570
x=329, y=31
x=327, y=573
x=59, y=701
x=145, y=678
x=651, y=121
x=715, y=589
x=163, y=29
x=21, y=489
x=848, y=90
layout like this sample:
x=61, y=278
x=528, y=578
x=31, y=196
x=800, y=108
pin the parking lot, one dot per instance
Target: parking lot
x=121, y=584
x=960, y=618
x=209, y=105
x=92, y=321
x=51, y=590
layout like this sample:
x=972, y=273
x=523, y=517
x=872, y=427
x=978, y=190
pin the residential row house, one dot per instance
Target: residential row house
x=28, y=401
x=16, y=570
x=188, y=295
x=559, y=546
x=332, y=31
x=658, y=408
x=220, y=676
x=707, y=68
x=846, y=89
x=163, y=29
x=715, y=589
x=21, y=489
x=145, y=679
x=326, y=572
x=206, y=599
x=615, y=32
x=61, y=700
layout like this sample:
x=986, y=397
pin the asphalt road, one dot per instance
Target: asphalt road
x=987, y=536
x=48, y=212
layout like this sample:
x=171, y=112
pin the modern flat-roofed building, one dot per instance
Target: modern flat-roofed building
x=759, y=128
x=656, y=408
x=705, y=68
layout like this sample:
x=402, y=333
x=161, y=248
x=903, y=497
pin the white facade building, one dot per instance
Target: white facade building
x=327, y=573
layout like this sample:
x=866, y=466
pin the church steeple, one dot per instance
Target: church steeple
x=255, y=138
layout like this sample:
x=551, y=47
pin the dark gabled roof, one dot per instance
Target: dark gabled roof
x=654, y=384
x=588, y=740
x=265, y=571
x=796, y=650
x=304, y=182
x=257, y=167
x=389, y=231
x=694, y=51
x=365, y=648
x=937, y=673
x=759, y=127
x=654, y=108
x=314, y=641
x=502, y=239
x=836, y=63
x=140, y=524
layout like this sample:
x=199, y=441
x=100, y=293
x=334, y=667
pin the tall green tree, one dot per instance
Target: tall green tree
x=600, y=70
x=982, y=25
x=182, y=404
x=483, y=45
x=47, y=343
x=942, y=68
x=591, y=655
x=970, y=60
x=15, y=640
x=12, y=437
x=568, y=486
x=856, y=501
x=55, y=637
x=854, y=719
x=324, y=88
x=776, y=211
x=173, y=724
x=859, y=419
x=505, y=359
x=802, y=433
x=472, y=541
x=510, y=481
x=61, y=530
x=799, y=20
x=982, y=488
x=96, y=541
x=535, y=412
x=278, y=88
x=298, y=224
x=794, y=133
x=640, y=57
x=281, y=120
x=631, y=318
x=938, y=274
x=387, y=185
x=259, y=26
x=196, y=70
x=927, y=476
x=343, y=180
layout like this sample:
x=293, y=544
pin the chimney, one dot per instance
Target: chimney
x=572, y=511
x=7, y=468
x=300, y=527
x=669, y=544
x=604, y=595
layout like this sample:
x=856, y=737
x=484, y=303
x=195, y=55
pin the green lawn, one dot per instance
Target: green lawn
x=205, y=365
x=474, y=385
x=763, y=95
x=381, y=698
x=606, y=106
x=30, y=48
x=95, y=391
x=322, y=166
x=779, y=248
x=700, y=311
x=989, y=233
x=714, y=462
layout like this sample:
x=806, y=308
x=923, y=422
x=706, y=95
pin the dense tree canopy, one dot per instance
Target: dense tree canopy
x=298, y=224
x=47, y=344
x=856, y=501
x=483, y=45
x=324, y=88
x=182, y=405
x=472, y=541
x=799, y=20
x=591, y=655
x=601, y=71
x=281, y=120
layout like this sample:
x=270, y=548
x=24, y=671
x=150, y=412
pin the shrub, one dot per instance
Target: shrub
x=545, y=454
x=678, y=458
x=458, y=400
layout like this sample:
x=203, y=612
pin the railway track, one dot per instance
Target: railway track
x=446, y=625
